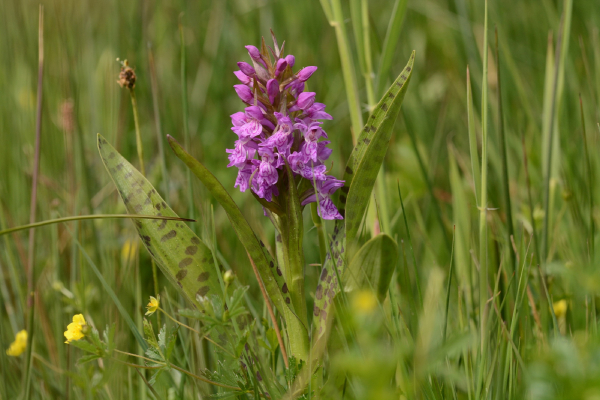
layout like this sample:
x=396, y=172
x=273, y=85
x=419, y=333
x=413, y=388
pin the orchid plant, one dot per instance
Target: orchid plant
x=280, y=153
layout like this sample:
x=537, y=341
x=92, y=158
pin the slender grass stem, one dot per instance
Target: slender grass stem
x=186, y=129
x=505, y=177
x=86, y=217
x=347, y=66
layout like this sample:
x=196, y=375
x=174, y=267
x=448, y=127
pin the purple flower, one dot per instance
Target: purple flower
x=240, y=153
x=272, y=89
x=306, y=73
x=291, y=60
x=317, y=112
x=244, y=92
x=267, y=174
x=286, y=130
x=280, y=66
x=243, y=179
x=243, y=77
x=297, y=161
x=306, y=100
x=328, y=210
x=255, y=55
x=246, y=68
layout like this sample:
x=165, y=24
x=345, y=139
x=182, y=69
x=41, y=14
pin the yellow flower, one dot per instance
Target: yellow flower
x=560, y=308
x=364, y=302
x=77, y=329
x=153, y=305
x=19, y=345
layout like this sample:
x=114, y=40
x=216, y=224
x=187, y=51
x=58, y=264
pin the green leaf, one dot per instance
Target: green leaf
x=149, y=333
x=181, y=255
x=85, y=346
x=88, y=358
x=269, y=270
x=373, y=266
x=366, y=158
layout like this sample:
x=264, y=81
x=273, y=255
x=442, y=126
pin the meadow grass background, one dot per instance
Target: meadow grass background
x=429, y=156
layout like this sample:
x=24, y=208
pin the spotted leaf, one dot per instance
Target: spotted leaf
x=366, y=158
x=185, y=260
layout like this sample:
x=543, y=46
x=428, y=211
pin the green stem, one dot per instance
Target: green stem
x=320, y=232
x=186, y=131
x=347, y=66
x=83, y=217
x=138, y=136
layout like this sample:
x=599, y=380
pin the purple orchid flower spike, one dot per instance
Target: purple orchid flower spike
x=281, y=128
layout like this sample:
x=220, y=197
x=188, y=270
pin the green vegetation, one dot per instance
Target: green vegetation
x=465, y=267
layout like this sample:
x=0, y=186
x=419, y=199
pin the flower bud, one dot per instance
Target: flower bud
x=280, y=66
x=246, y=68
x=244, y=92
x=228, y=277
x=254, y=53
x=305, y=100
x=246, y=80
x=306, y=73
x=290, y=59
x=273, y=90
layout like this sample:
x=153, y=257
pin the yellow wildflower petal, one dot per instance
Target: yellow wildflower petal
x=364, y=302
x=75, y=329
x=153, y=305
x=17, y=347
x=560, y=308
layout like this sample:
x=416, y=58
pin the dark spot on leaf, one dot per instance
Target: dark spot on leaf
x=278, y=271
x=319, y=292
x=157, y=206
x=128, y=175
x=145, y=238
x=408, y=69
x=164, y=204
x=262, y=244
x=180, y=285
x=384, y=107
x=316, y=311
x=185, y=262
x=138, y=223
x=203, y=277
x=202, y=291
x=324, y=273
x=323, y=314
x=168, y=236
x=278, y=238
x=287, y=300
x=349, y=170
x=148, y=201
x=271, y=264
x=391, y=95
x=181, y=274
x=367, y=141
x=119, y=166
x=329, y=279
x=195, y=240
x=342, y=212
x=284, y=288
x=191, y=250
x=137, y=208
x=162, y=224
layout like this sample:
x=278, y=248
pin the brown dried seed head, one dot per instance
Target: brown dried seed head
x=126, y=76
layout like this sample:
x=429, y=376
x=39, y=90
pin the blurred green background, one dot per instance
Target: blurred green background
x=81, y=98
